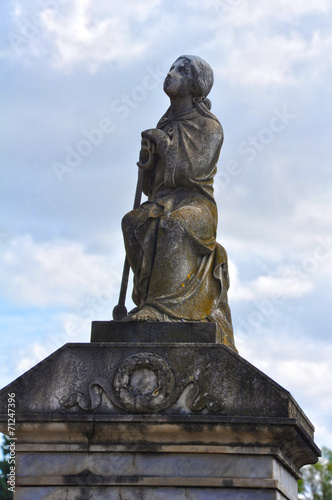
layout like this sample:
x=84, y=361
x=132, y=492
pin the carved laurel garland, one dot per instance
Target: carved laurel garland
x=156, y=399
x=143, y=383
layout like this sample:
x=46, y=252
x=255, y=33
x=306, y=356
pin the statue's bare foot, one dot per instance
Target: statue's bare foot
x=145, y=314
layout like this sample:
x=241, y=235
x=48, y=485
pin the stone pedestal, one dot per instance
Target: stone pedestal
x=155, y=418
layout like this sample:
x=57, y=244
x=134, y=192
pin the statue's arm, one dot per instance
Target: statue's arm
x=160, y=139
x=188, y=155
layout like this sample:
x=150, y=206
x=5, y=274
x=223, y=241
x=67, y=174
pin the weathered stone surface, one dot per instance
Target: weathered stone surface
x=154, y=331
x=192, y=379
x=180, y=271
x=155, y=420
x=151, y=493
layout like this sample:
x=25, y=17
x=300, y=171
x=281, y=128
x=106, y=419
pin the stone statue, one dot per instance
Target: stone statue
x=180, y=271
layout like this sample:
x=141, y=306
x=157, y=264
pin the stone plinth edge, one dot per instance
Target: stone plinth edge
x=121, y=331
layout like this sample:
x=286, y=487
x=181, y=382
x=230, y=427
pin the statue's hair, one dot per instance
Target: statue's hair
x=203, y=75
x=203, y=82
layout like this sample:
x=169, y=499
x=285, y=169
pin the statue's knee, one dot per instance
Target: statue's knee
x=172, y=222
x=128, y=221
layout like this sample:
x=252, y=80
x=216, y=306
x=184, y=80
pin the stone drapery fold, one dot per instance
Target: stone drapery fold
x=180, y=271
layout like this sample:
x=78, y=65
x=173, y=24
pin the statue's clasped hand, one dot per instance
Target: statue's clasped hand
x=147, y=153
x=154, y=142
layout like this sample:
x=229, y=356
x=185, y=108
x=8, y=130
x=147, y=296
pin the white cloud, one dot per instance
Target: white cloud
x=53, y=273
x=71, y=327
x=311, y=377
x=27, y=359
x=81, y=31
x=261, y=43
x=278, y=278
x=285, y=282
x=79, y=37
x=243, y=13
x=264, y=43
x=238, y=291
x=286, y=285
x=314, y=215
x=302, y=367
x=265, y=59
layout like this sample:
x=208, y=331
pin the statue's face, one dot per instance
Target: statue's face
x=179, y=79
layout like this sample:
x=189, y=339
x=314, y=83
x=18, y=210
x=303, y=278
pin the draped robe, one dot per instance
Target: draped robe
x=180, y=271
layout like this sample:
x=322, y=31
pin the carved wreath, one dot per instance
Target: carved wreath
x=141, y=397
x=143, y=383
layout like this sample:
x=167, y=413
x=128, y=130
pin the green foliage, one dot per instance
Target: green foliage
x=317, y=479
x=4, y=470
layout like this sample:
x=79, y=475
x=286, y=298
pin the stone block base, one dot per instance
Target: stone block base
x=147, y=493
x=153, y=417
x=147, y=459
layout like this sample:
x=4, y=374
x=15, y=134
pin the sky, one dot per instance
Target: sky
x=79, y=82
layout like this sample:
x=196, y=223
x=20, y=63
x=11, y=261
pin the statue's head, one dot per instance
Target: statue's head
x=202, y=75
x=189, y=75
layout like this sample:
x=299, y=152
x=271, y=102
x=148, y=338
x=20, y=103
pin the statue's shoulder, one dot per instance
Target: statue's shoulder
x=211, y=123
